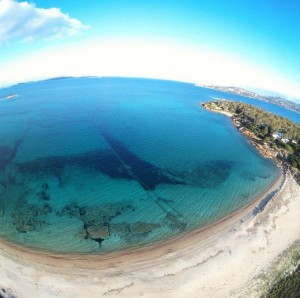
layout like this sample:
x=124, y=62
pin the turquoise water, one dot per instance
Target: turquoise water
x=92, y=165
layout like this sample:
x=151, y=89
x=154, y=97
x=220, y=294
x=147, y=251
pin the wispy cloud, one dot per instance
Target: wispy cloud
x=24, y=21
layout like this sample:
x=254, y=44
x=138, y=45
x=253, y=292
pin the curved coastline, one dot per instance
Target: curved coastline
x=162, y=268
x=186, y=267
x=143, y=253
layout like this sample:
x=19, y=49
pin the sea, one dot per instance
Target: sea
x=95, y=165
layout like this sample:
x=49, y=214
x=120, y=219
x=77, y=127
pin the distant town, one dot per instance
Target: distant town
x=280, y=101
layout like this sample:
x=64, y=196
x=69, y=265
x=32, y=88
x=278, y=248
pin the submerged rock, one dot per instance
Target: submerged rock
x=45, y=186
x=97, y=220
x=27, y=223
x=119, y=228
x=143, y=227
x=96, y=215
x=174, y=222
x=98, y=232
x=105, y=212
x=30, y=217
x=82, y=234
x=43, y=195
x=72, y=210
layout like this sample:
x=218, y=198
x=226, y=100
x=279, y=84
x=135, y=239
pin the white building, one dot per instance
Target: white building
x=277, y=135
x=285, y=140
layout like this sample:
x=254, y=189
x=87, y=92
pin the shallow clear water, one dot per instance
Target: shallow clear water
x=93, y=165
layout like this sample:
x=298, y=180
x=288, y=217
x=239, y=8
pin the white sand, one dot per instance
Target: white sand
x=220, y=261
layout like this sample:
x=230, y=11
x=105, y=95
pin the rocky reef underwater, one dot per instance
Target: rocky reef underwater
x=30, y=200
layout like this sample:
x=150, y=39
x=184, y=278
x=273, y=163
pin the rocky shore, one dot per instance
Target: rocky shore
x=263, y=148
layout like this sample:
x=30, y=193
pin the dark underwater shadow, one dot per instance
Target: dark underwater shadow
x=118, y=162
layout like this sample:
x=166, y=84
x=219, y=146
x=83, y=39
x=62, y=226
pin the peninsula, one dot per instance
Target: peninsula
x=277, y=100
x=273, y=136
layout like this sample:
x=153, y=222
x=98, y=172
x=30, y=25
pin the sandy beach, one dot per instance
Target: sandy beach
x=222, y=260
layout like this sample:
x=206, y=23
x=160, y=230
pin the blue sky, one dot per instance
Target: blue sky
x=247, y=43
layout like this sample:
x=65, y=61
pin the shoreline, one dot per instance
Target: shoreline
x=235, y=241
x=156, y=248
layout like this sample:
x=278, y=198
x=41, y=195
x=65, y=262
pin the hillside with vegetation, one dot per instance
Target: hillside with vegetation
x=278, y=134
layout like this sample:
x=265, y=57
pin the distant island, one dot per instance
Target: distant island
x=280, y=101
x=274, y=136
x=70, y=77
x=11, y=96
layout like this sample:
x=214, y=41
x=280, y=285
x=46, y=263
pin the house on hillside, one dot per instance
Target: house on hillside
x=277, y=135
x=285, y=140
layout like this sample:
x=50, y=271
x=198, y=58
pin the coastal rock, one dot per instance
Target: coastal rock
x=265, y=149
x=7, y=293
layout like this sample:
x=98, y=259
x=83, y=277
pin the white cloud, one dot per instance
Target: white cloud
x=138, y=58
x=24, y=21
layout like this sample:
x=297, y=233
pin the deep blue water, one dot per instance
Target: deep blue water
x=98, y=164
